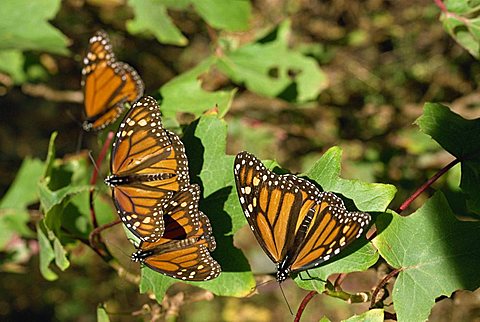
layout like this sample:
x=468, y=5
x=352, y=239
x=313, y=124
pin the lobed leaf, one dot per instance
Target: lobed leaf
x=35, y=33
x=272, y=69
x=184, y=93
x=459, y=137
x=444, y=257
x=151, y=17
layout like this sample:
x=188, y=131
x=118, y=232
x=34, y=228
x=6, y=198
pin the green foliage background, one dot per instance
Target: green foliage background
x=344, y=93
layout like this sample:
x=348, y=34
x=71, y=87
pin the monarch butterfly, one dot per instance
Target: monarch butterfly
x=297, y=226
x=183, y=252
x=148, y=165
x=107, y=84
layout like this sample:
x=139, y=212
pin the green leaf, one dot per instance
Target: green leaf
x=460, y=137
x=11, y=62
x=102, y=315
x=272, y=69
x=49, y=198
x=24, y=26
x=13, y=222
x=151, y=18
x=375, y=315
x=21, y=192
x=370, y=197
x=47, y=254
x=229, y=15
x=184, y=93
x=466, y=32
x=50, y=155
x=444, y=257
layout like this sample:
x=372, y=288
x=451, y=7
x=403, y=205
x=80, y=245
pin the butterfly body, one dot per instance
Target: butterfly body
x=107, y=84
x=297, y=226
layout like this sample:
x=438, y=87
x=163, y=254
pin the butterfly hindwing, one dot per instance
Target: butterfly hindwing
x=184, y=250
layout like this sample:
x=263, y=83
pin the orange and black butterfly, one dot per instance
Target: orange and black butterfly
x=183, y=252
x=148, y=165
x=297, y=226
x=107, y=84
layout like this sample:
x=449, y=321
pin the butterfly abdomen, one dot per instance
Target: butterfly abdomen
x=115, y=180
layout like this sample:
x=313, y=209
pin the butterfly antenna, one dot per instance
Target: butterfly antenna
x=79, y=141
x=285, y=298
x=94, y=163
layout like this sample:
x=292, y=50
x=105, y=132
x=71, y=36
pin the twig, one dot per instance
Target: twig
x=93, y=179
x=41, y=90
x=382, y=283
x=426, y=185
x=303, y=305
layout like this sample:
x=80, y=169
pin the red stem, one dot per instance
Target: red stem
x=441, y=5
x=304, y=303
x=382, y=284
x=426, y=185
x=93, y=179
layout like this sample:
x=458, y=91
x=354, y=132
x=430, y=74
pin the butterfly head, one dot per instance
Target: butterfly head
x=140, y=255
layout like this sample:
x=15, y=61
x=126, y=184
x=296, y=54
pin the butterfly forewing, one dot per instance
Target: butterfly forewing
x=270, y=202
x=148, y=166
x=107, y=84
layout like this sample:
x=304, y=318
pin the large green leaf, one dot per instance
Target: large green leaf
x=460, y=137
x=151, y=17
x=24, y=25
x=370, y=197
x=444, y=257
x=270, y=68
x=229, y=15
x=184, y=93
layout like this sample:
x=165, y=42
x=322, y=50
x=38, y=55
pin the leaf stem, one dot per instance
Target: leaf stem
x=304, y=303
x=441, y=6
x=426, y=185
x=382, y=283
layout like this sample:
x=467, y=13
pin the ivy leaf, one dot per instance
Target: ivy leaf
x=270, y=68
x=444, y=257
x=35, y=33
x=184, y=93
x=459, y=137
x=151, y=17
x=369, y=197
x=205, y=143
x=228, y=15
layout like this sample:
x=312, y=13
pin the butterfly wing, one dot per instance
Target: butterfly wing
x=107, y=84
x=271, y=204
x=148, y=165
x=184, y=250
x=331, y=230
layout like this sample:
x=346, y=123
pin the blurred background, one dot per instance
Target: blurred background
x=383, y=60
